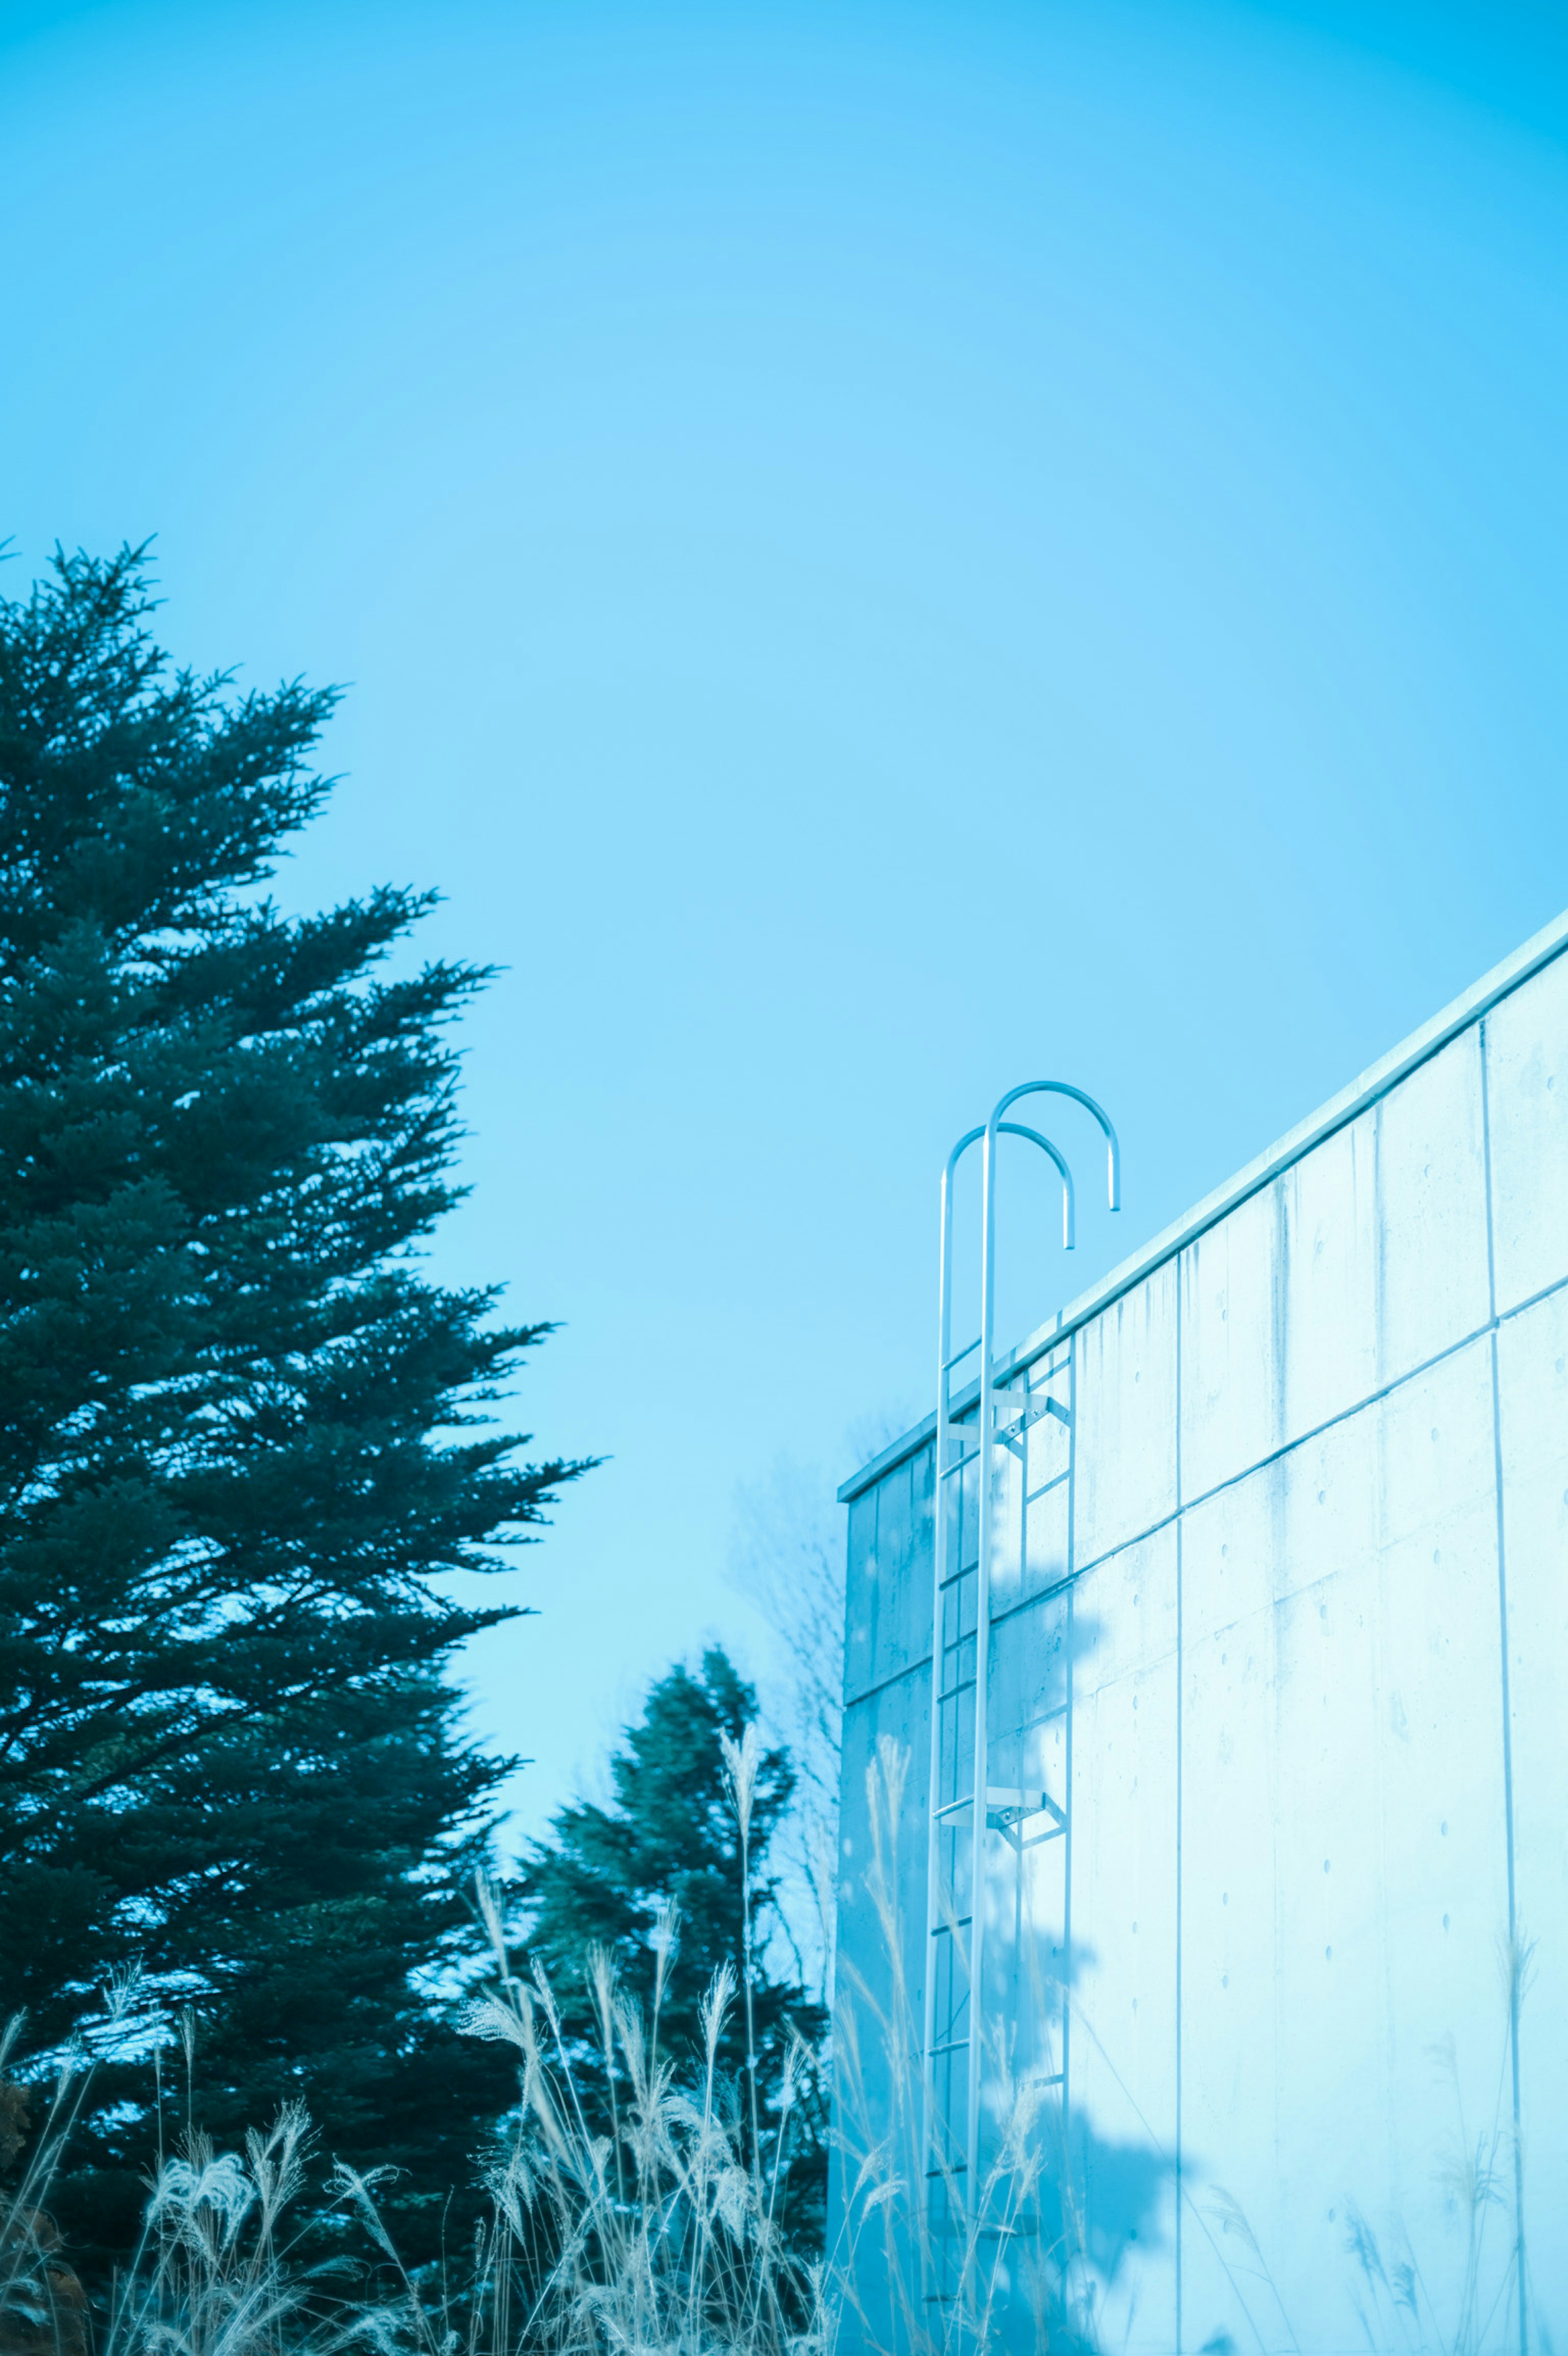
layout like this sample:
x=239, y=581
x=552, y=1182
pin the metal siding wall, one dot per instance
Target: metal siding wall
x=1291, y=1566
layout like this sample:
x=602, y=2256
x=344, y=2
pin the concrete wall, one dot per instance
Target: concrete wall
x=1285, y=1620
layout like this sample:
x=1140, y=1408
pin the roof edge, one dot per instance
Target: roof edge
x=1337, y=1113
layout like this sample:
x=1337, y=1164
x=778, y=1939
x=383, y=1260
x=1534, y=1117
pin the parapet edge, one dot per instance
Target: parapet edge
x=1348, y=1106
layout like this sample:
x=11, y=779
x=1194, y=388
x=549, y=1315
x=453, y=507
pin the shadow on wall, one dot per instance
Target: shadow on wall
x=915, y=2272
x=1065, y=2215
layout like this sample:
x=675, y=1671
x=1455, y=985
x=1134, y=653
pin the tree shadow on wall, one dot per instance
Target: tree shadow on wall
x=916, y=2270
x=1096, y=2204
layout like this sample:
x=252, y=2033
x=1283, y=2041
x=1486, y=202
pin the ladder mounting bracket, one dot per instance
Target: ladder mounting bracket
x=1006, y=1810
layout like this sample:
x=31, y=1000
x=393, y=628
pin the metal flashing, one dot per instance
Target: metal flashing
x=1337, y=1113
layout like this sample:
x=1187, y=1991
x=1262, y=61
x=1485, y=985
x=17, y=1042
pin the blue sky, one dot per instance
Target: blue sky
x=879, y=551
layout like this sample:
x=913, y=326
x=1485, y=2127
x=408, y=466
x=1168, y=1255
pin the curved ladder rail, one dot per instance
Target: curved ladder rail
x=993, y=1127
x=947, y=1463
x=949, y=1458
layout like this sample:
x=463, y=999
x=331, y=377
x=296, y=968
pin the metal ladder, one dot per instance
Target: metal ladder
x=963, y=1806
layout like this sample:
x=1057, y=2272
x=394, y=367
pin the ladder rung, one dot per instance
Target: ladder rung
x=979, y=1411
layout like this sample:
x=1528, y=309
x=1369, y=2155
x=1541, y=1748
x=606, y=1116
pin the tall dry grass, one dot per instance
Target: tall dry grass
x=922, y=2270
x=663, y=2235
x=660, y=2237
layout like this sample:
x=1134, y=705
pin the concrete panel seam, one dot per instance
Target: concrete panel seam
x=886, y=1684
x=1181, y=1675
x=1234, y=1481
x=1521, y=2277
x=1304, y=1440
x=1463, y=1014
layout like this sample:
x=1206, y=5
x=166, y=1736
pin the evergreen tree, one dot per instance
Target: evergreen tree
x=243, y=1438
x=670, y=1837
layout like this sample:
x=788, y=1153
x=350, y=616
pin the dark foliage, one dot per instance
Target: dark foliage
x=669, y=1835
x=243, y=1438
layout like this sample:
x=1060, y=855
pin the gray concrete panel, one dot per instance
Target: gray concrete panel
x=1532, y=1368
x=1355, y=1267
x=1248, y=1625
x=887, y=1625
x=1026, y=1945
x=1344, y=1866
x=1527, y=1096
x=1231, y=1403
x=1431, y=1281
x=1279, y=1312
x=1324, y=1280
x=1123, y=2137
x=878, y=1992
x=1030, y=1547
x=1030, y=1662
x=863, y=1594
x=1126, y=1417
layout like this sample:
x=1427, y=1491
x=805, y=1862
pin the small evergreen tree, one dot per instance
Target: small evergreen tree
x=240, y=1438
x=604, y=1881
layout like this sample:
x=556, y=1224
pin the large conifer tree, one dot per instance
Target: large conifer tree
x=233, y=1410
